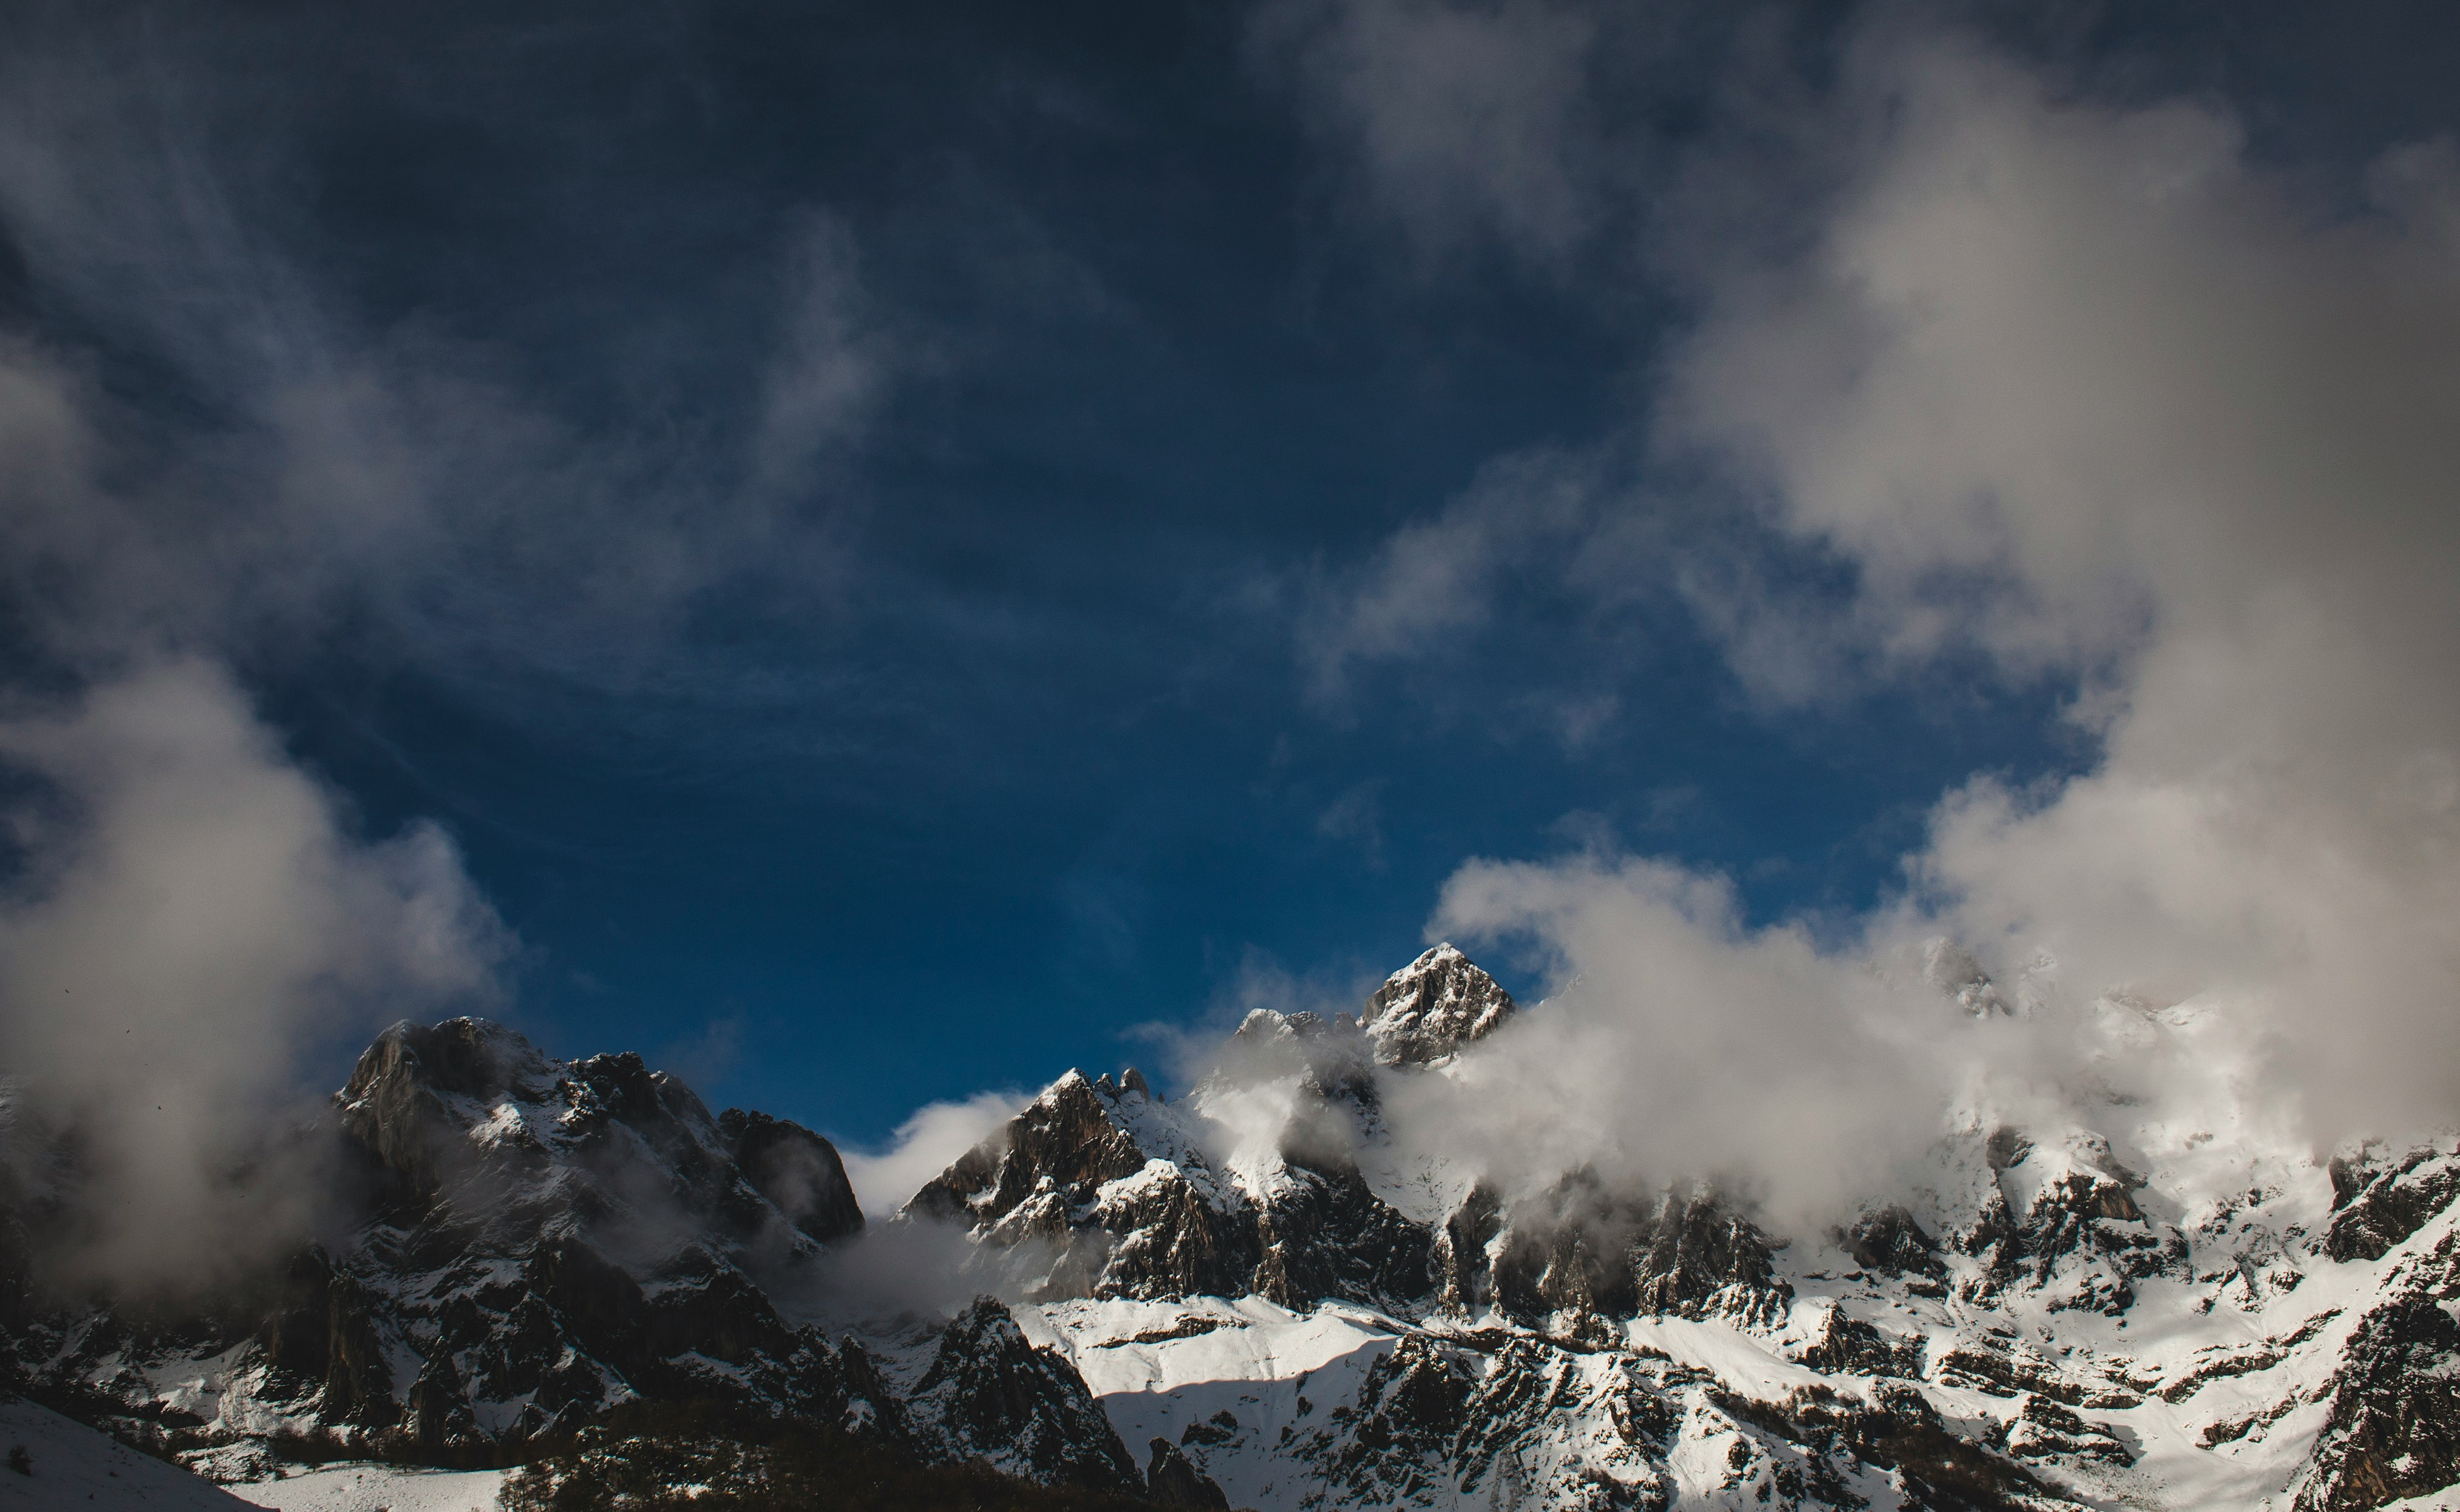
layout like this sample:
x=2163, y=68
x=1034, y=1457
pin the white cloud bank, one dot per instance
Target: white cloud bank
x=2085, y=389
x=2077, y=392
x=194, y=909
x=926, y=1144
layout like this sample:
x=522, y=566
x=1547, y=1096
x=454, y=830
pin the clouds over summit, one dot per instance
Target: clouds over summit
x=2050, y=390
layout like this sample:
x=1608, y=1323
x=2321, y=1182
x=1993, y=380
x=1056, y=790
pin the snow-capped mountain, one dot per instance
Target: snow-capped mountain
x=1287, y=1306
x=541, y=1241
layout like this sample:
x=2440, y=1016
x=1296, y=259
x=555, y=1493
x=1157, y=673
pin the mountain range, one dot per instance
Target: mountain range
x=1260, y=1294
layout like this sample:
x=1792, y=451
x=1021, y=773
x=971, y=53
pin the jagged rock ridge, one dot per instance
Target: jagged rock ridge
x=2054, y=1315
x=544, y=1240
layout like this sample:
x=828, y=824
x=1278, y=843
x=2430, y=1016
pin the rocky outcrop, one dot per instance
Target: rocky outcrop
x=1463, y=1269
x=322, y=1334
x=542, y=1240
x=1106, y=1185
x=2376, y=1203
x=1899, y=1434
x=990, y=1395
x=2393, y=1428
x=561, y=1236
x=1584, y=1253
x=1101, y=1189
x=1173, y=1481
x=1393, y=1444
x=1064, y=1142
x=796, y=1170
x=2062, y=1223
x=1845, y=1345
x=2046, y=1430
x=1567, y=1254
x=1428, y=1010
x=1704, y=1260
x=1324, y=1233
x=1889, y=1239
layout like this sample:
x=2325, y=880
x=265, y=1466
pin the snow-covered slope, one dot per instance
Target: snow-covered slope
x=68, y=1465
x=376, y=1488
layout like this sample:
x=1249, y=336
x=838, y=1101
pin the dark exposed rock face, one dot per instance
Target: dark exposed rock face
x=1888, y=1239
x=1127, y=1192
x=1463, y=1278
x=989, y=1394
x=1393, y=1446
x=1996, y=1363
x=2379, y=1205
x=1849, y=1346
x=2392, y=1430
x=2047, y=1431
x=1587, y=1254
x=1326, y=1234
x=545, y=1239
x=561, y=1236
x=1425, y=1011
x=322, y=1333
x=794, y=1168
x=1568, y=1251
x=1704, y=1260
x=1900, y=1433
x=1064, y=1142
x=1173, y=1481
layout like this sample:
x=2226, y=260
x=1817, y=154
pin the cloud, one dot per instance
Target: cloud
x=1453, y=119
x=832, y=367
x=1681, y=1041
x=216, y=451
x=2075, y=395
x=193, y=909
x=926, y=1144
x=2084, y=391
x=1432, y=579
x=1357, y=815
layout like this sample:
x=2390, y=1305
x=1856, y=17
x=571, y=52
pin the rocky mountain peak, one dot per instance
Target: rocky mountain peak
x=472, y=1058
x=1425, y=1011
x=414, y=1089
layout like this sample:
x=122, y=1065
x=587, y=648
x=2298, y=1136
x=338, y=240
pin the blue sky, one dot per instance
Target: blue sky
x=885, y=535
